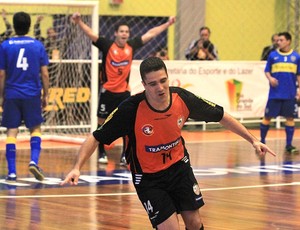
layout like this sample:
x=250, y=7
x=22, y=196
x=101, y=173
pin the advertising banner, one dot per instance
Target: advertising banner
x=240, y=87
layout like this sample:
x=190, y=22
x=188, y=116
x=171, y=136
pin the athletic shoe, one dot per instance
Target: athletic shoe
x=11, y=178
x=36, y=171
x=291, y=149
x=103, y=158
x=123, y=161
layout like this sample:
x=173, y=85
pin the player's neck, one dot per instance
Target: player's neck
x=285, y=50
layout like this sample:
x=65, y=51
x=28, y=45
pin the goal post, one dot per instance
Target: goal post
x=73, y=71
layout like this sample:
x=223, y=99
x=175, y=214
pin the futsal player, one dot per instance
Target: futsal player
x=158, y=159
x=23, y=75
x=283, y=73
x=116, y=64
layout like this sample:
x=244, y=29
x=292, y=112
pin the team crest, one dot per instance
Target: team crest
x=293, y=58
x=180, y=122
x=147, y=130
x=196, y=189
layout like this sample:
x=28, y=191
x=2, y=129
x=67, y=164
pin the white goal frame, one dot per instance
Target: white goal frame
x=94, y=5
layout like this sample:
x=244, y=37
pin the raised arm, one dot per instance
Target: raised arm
x=37, y=29
x=157, y=30
x=235, y=126
x=85, y=28
x=85, y=151
x=8, y=26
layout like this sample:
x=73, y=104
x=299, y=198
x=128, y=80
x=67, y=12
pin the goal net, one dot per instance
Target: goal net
x=73, y=68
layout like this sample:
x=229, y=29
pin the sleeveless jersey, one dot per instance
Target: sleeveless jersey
x=155, y=141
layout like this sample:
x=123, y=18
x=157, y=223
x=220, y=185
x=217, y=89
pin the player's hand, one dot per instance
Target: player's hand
x=172, y=20
x=273, y=82
x=3, y=13
x=261, y=149
x=39, y=18
x=44, y=101
x=71, y=178
x=76, y=17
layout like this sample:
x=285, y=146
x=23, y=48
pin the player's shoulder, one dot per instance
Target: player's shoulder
x=296, y=53
x=179, y=90
x=137, y=98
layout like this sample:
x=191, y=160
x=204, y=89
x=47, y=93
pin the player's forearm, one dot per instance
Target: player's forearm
x=157, y=30
x=88, y=31
x=45, y=80
x=85, y=151
x=235, y=126
x=268, y=76
x=2, y=82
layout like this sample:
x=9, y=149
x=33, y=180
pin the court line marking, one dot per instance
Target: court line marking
x=134, y=193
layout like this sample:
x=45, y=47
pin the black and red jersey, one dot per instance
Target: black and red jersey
x=116, y=63
x=155, y=141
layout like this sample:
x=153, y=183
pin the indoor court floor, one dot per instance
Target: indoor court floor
x=240, y=191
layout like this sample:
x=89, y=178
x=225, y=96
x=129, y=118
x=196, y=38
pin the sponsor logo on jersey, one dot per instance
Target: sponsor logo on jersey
x=122, y=63
x=162, y=147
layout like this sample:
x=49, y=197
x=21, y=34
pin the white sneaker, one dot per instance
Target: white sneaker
x=103, y=160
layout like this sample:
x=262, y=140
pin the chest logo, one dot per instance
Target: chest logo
x=148, y=130
x=180, y=122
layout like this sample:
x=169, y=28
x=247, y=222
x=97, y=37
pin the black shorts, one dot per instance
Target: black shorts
x=108, y=101
x=172, y=190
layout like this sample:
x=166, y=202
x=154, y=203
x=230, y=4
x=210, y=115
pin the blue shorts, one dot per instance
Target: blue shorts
x=280, y=107
x=17, y=110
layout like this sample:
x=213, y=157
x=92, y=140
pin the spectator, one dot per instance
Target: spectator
x=282, y=71
x=50, y=42
x=116, y=65
x=23, y=74
x=268, y=49
x=158, y=159
x=162, y=54
x=6, y=34
x=202, y=48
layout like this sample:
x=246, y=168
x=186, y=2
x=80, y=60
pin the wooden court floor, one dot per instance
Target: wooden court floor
x=240, y=191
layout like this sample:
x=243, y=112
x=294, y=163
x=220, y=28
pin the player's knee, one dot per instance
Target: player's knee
x=195, y=225
x=202, y=228
x=290, y=122
x=266, y=121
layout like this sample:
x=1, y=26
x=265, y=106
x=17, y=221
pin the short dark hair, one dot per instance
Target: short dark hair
x=151, y=64
x=204, y=28
x=287, y=35
x=122, y=23
x=273, y=36
x=22, y=22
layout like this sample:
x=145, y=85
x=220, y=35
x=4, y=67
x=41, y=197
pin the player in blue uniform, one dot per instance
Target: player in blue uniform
x=23, y=65
x=282, y=71
x=158, y=159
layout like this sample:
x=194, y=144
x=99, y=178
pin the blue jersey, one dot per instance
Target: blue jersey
x=284, y=67
x=22, y=58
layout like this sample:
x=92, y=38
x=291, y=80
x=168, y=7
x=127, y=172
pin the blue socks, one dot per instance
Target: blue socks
x=263, y=132
x=35, y=145
x=11, y=155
